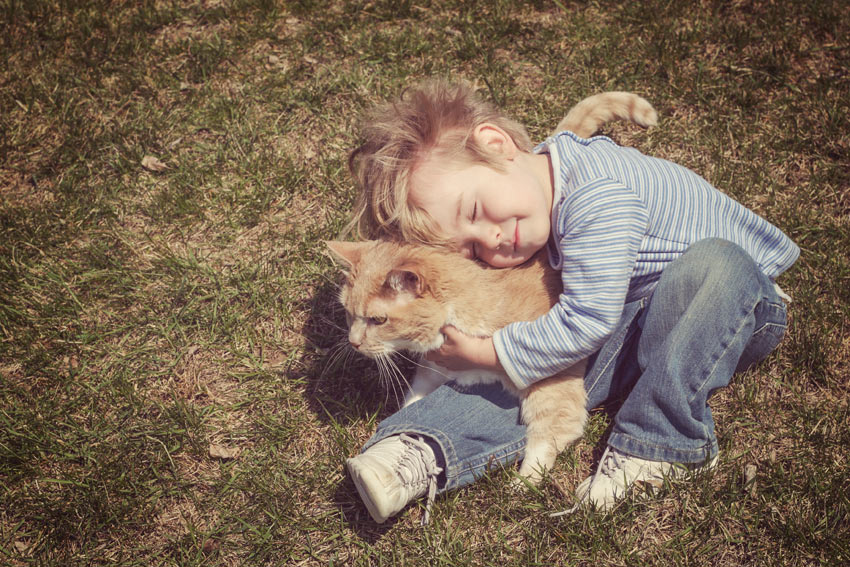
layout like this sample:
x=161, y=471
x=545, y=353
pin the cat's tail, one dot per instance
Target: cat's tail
x=586, y=117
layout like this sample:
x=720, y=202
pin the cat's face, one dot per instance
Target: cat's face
x=387, y=299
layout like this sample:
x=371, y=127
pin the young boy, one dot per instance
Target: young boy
x=668, y=288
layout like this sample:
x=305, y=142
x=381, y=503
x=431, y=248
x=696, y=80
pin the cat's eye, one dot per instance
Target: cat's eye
x=378, y=320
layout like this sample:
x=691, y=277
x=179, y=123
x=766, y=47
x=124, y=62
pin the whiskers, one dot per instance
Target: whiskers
x=416, y=362
x=392, y=378
x=342, y=356
x=339, y=355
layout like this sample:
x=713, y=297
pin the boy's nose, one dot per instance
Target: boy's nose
x=494, y=237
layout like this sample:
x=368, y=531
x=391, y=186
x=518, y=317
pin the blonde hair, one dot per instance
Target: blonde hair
x=434, y=116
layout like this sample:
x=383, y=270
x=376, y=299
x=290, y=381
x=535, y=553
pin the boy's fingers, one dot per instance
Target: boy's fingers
x=435, y=355
x=449, y=332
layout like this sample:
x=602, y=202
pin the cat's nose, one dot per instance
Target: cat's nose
x=356, y=334
x=356, y=339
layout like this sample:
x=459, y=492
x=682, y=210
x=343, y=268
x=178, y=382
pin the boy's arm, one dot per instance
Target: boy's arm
x=606, y=223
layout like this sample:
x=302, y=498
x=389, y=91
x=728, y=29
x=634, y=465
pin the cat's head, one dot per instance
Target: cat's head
x=389, y=297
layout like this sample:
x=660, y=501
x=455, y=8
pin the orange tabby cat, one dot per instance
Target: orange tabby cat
x=398, y=296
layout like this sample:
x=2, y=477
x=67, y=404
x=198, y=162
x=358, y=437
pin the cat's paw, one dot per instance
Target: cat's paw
x=526, y=478
x=411, y=398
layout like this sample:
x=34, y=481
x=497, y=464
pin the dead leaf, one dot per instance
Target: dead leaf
x=210, y=546
x=223, y=453
x=750, y=478
x=152, y=163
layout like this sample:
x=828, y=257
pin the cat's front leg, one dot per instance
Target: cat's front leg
x=555, y=414
x=428, y=378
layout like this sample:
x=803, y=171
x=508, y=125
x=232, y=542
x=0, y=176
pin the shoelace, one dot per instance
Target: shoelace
x=610, y=464
x=417, y=466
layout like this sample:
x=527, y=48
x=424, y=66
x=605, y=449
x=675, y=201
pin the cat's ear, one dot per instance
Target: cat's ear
x=348, y=253
x=407, y=279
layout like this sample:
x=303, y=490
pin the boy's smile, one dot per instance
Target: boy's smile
x=502, y=218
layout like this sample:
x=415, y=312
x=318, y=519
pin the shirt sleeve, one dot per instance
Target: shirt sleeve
x=603, y=228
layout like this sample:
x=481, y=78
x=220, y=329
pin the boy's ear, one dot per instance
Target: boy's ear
x=495, y=140
x=347, y=253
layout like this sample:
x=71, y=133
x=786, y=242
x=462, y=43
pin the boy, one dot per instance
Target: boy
x=668, y=287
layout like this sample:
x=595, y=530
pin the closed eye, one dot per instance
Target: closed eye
x=378, y=320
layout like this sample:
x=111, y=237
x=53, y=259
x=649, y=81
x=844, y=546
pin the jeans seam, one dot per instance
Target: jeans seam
x=612, y=359
x=602, y=370
x=710, y=373
x=656, y=445
x=769, y=325
x=627, y=443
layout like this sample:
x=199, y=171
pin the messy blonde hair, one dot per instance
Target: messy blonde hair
x=435, y=116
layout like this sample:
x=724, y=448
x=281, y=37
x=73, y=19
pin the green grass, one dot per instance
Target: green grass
x=147, y=315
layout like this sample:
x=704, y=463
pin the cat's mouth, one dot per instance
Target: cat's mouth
x=374, y=352
x=407, y=345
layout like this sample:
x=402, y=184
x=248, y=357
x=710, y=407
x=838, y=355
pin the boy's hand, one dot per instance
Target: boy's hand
x=462, y=352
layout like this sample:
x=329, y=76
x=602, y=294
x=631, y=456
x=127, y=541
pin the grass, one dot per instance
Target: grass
x=146, y=316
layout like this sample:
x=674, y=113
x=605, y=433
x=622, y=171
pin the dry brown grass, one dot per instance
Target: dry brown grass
x=145, y=316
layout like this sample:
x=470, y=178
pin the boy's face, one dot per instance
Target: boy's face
x=502, y=218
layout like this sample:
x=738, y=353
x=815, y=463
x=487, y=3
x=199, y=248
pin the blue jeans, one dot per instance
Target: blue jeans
x=712, y=313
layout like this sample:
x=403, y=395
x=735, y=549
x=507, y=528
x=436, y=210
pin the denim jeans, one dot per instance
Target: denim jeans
x=713, y=312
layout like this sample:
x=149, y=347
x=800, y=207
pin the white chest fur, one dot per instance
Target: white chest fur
x=430, y=376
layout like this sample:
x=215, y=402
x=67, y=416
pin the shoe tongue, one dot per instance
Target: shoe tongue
x=412, y=467
x=418, y=462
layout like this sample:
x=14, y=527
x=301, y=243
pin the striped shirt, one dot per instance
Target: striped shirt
x=618, y=218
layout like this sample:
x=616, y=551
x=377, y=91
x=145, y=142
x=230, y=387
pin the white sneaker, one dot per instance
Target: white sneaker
x=618, y=472
x=393, y=472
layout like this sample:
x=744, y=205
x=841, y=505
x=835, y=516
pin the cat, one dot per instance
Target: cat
x=398, y=296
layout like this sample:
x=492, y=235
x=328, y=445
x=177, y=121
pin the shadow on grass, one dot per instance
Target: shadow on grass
x=356, y=516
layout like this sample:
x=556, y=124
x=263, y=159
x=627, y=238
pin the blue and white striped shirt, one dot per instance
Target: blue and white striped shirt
x=618, y=218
